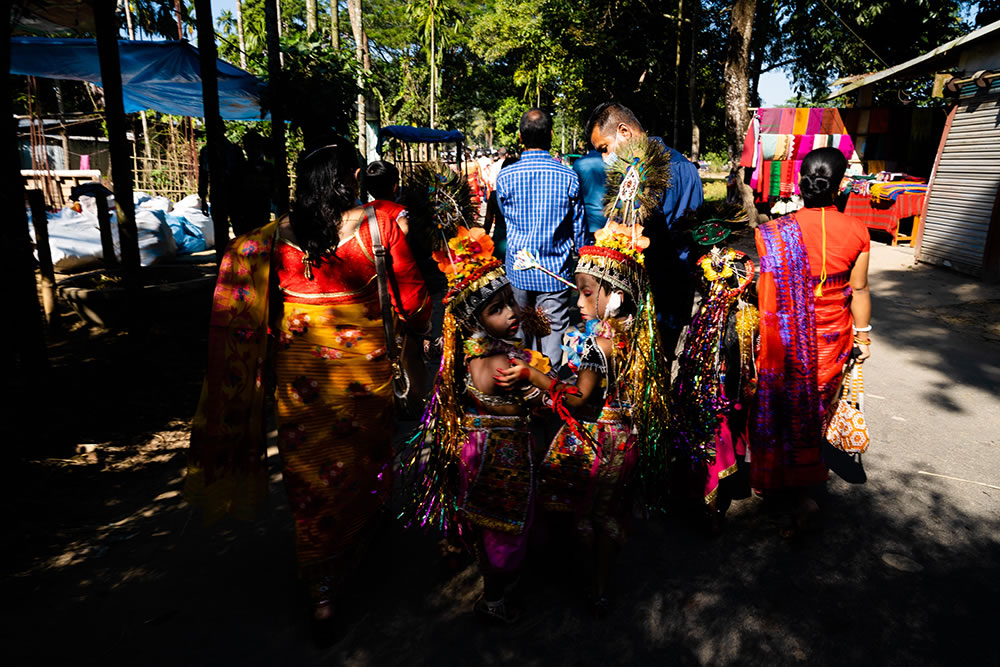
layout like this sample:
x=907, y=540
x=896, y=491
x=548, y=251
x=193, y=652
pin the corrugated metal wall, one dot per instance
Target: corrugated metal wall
x=964, y=190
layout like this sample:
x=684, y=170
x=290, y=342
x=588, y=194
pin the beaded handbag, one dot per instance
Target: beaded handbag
x=848, y=430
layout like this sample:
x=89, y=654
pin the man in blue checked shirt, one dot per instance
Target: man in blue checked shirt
x=540, y=201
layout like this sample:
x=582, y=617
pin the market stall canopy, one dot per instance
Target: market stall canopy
x=418, y=135
x=165, y=76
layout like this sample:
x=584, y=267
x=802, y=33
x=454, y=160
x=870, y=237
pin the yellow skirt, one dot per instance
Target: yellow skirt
x=335, y=423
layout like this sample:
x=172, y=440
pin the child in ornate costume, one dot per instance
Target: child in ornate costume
x=470, y=467
x=616, y=410
x=716, y=378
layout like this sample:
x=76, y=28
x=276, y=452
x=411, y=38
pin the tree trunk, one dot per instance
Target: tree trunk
x=692, y=78
x=357, y=22
x=24, y=345
x=433, y=67
x=736, y=91
x=240, y=34
x=335, y=23
x=312, y=17
x=271, y=24
x=677, y=75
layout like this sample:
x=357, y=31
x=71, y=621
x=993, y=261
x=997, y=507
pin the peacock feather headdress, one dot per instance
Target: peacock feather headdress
x=636, y=183
x=439, y=202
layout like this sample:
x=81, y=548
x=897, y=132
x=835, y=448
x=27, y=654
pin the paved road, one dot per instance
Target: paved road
x=108, y=567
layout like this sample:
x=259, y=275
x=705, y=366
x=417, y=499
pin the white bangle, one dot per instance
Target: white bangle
x=863, y=329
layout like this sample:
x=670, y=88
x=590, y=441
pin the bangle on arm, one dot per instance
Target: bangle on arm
x=862, y=329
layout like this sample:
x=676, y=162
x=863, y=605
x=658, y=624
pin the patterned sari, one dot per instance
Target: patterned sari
x=333, y=390
x=805, y=340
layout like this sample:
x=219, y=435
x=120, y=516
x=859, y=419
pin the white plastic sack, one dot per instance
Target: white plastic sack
x=156, y=241
x=74, y=240
x=156, y=204
x=189, y=209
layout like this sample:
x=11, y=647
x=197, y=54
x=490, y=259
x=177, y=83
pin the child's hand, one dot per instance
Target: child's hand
x=508, y=377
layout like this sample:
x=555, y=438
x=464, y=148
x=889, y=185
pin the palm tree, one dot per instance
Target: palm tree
x=240, y=34
x=427, y=18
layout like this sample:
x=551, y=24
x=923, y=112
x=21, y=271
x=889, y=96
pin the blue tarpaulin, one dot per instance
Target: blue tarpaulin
x=418, y=135
x=165, y=76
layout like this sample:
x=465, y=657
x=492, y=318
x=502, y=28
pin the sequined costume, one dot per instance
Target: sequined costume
x=590, y=475
x=468, y=468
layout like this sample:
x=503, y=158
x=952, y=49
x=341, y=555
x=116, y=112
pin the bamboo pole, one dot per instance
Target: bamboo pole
x=114, y=112
x=272, y=25
x=41, y=224
x=214, y=131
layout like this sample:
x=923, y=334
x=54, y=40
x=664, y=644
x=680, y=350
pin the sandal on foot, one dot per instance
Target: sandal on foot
x=601, y=606
x=495, y=612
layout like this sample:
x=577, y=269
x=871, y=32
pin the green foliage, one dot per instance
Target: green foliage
x=507, y=118
x=319, y=88
x=717, y=160
x=868, y=36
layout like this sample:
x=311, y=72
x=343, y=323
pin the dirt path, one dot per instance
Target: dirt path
x=107, y=565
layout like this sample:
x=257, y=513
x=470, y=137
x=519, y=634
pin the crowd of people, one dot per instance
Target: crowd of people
x=554, y=394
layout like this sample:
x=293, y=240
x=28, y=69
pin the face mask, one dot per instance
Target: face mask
x=610, y=158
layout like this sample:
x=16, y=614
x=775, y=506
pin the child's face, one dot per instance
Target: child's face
x=499, y=316
x=587, y=301
x=593, y=301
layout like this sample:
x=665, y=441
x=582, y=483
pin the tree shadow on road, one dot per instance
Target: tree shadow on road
x=899, y=575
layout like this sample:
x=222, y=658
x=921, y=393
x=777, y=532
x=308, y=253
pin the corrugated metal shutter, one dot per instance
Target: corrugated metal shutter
x=960, y=203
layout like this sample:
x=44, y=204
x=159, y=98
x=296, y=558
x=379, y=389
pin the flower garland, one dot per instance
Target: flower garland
x=481, y=344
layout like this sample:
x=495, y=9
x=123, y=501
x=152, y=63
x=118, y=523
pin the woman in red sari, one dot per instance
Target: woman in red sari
x=814, y=294
x=297, y=303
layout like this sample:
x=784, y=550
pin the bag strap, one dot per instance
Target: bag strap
x=382, y=273
x=859, y=388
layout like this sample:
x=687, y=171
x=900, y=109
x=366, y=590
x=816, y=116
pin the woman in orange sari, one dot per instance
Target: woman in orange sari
x=813, y=292
x=297, y=304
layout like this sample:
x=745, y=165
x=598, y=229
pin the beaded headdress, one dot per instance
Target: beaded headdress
x=474, y=274
x=636, y=182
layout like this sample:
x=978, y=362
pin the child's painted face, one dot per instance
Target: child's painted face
x=593, y=301
x=499, y=316
x=587, y=302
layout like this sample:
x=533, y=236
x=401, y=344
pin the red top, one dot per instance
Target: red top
x=349, y=275
x=392, y=210
x=846, y=238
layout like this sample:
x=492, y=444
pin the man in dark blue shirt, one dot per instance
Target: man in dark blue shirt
x=670, y=273
x=590, y=169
